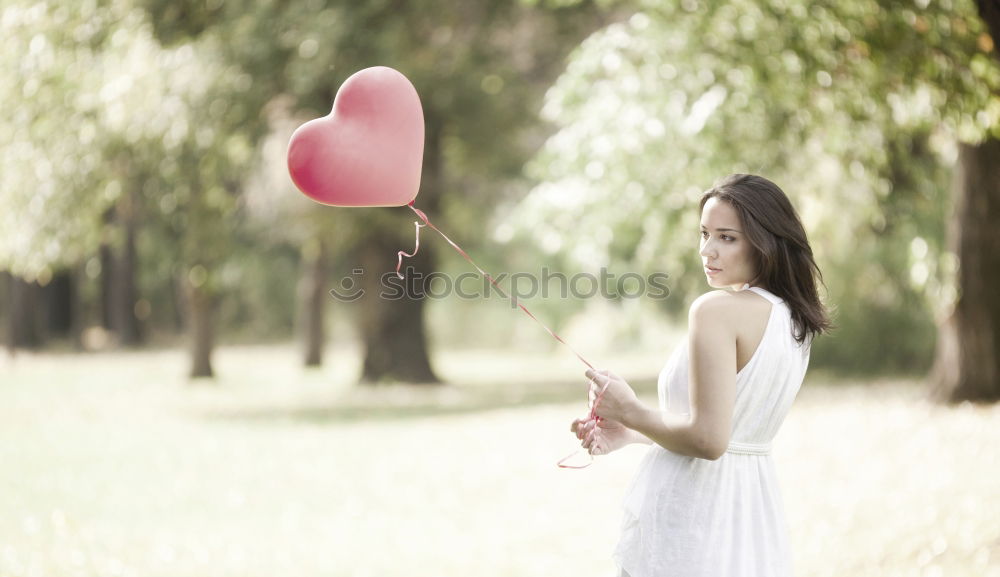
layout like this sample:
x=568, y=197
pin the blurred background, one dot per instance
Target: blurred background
x=182, y=395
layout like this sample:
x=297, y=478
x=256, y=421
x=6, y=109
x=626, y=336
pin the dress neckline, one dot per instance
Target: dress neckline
x=763, y=292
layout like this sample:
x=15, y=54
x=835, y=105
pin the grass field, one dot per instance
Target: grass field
x=113, y=464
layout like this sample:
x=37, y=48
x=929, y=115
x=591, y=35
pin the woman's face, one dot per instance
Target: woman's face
x=725, y=250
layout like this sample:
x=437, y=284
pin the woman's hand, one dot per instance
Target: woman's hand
x=601, y=437
x=613, y=398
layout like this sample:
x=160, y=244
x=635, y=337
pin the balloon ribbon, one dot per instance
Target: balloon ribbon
x=487, y=276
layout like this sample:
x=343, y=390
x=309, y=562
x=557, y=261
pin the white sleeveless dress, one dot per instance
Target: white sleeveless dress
x=689, y=517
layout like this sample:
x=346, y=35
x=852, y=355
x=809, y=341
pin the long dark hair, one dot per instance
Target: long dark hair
x=782, y=256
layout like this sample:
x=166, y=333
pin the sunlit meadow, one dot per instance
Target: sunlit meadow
x=113, y=464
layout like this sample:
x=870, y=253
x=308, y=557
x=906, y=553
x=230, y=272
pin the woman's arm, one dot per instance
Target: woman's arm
x=712, y=349
x=639, y=438
x=600, y=438
x=675, y=432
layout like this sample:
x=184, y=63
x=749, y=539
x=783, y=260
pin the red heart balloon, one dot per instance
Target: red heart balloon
x=369, y=150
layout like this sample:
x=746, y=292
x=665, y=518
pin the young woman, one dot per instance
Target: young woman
x=705, y=501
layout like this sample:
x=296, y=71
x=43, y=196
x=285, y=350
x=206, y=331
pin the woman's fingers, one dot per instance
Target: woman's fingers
x=597, y=381
x=580, y=426
x=598, y=384
x=599, y=374
x=592, y=438
x=595, y=391
x=593, y=443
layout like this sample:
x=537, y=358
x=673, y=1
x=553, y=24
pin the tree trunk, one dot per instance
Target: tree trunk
x=60, y=304
x=78, y=277
x=118, y=269
x=8, y=311
x=312, y=296
x=178, y=303
x=106, y=284
x=200, y=308
x=124, y=319
x=967, y=360
x=392, y=321
x=23, y=326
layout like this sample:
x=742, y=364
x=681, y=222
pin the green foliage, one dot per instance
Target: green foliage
x=480, y=71
x=158, y=110
x=162, y=108
x=852, y=108
x=57, y=60
x=109, y=121
x=103, y=109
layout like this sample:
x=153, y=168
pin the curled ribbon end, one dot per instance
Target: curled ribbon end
x=400, y=254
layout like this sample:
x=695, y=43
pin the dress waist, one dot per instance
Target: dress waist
x=739, y=448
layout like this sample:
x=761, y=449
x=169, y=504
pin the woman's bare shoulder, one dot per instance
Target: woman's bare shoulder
x=723, y=303
x=720, y=298
x=712, y=304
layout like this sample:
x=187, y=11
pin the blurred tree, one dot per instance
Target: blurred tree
x=63, y=61
x=313, y=296
x=205, y=174
x=480, y=68
x=853, y=106
x=39, y=155
x=117, y=253
x=62, y=304
x=52, y=61
x=23, y=323
x=290, y=219
x=105, y=112
x=967, y=363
